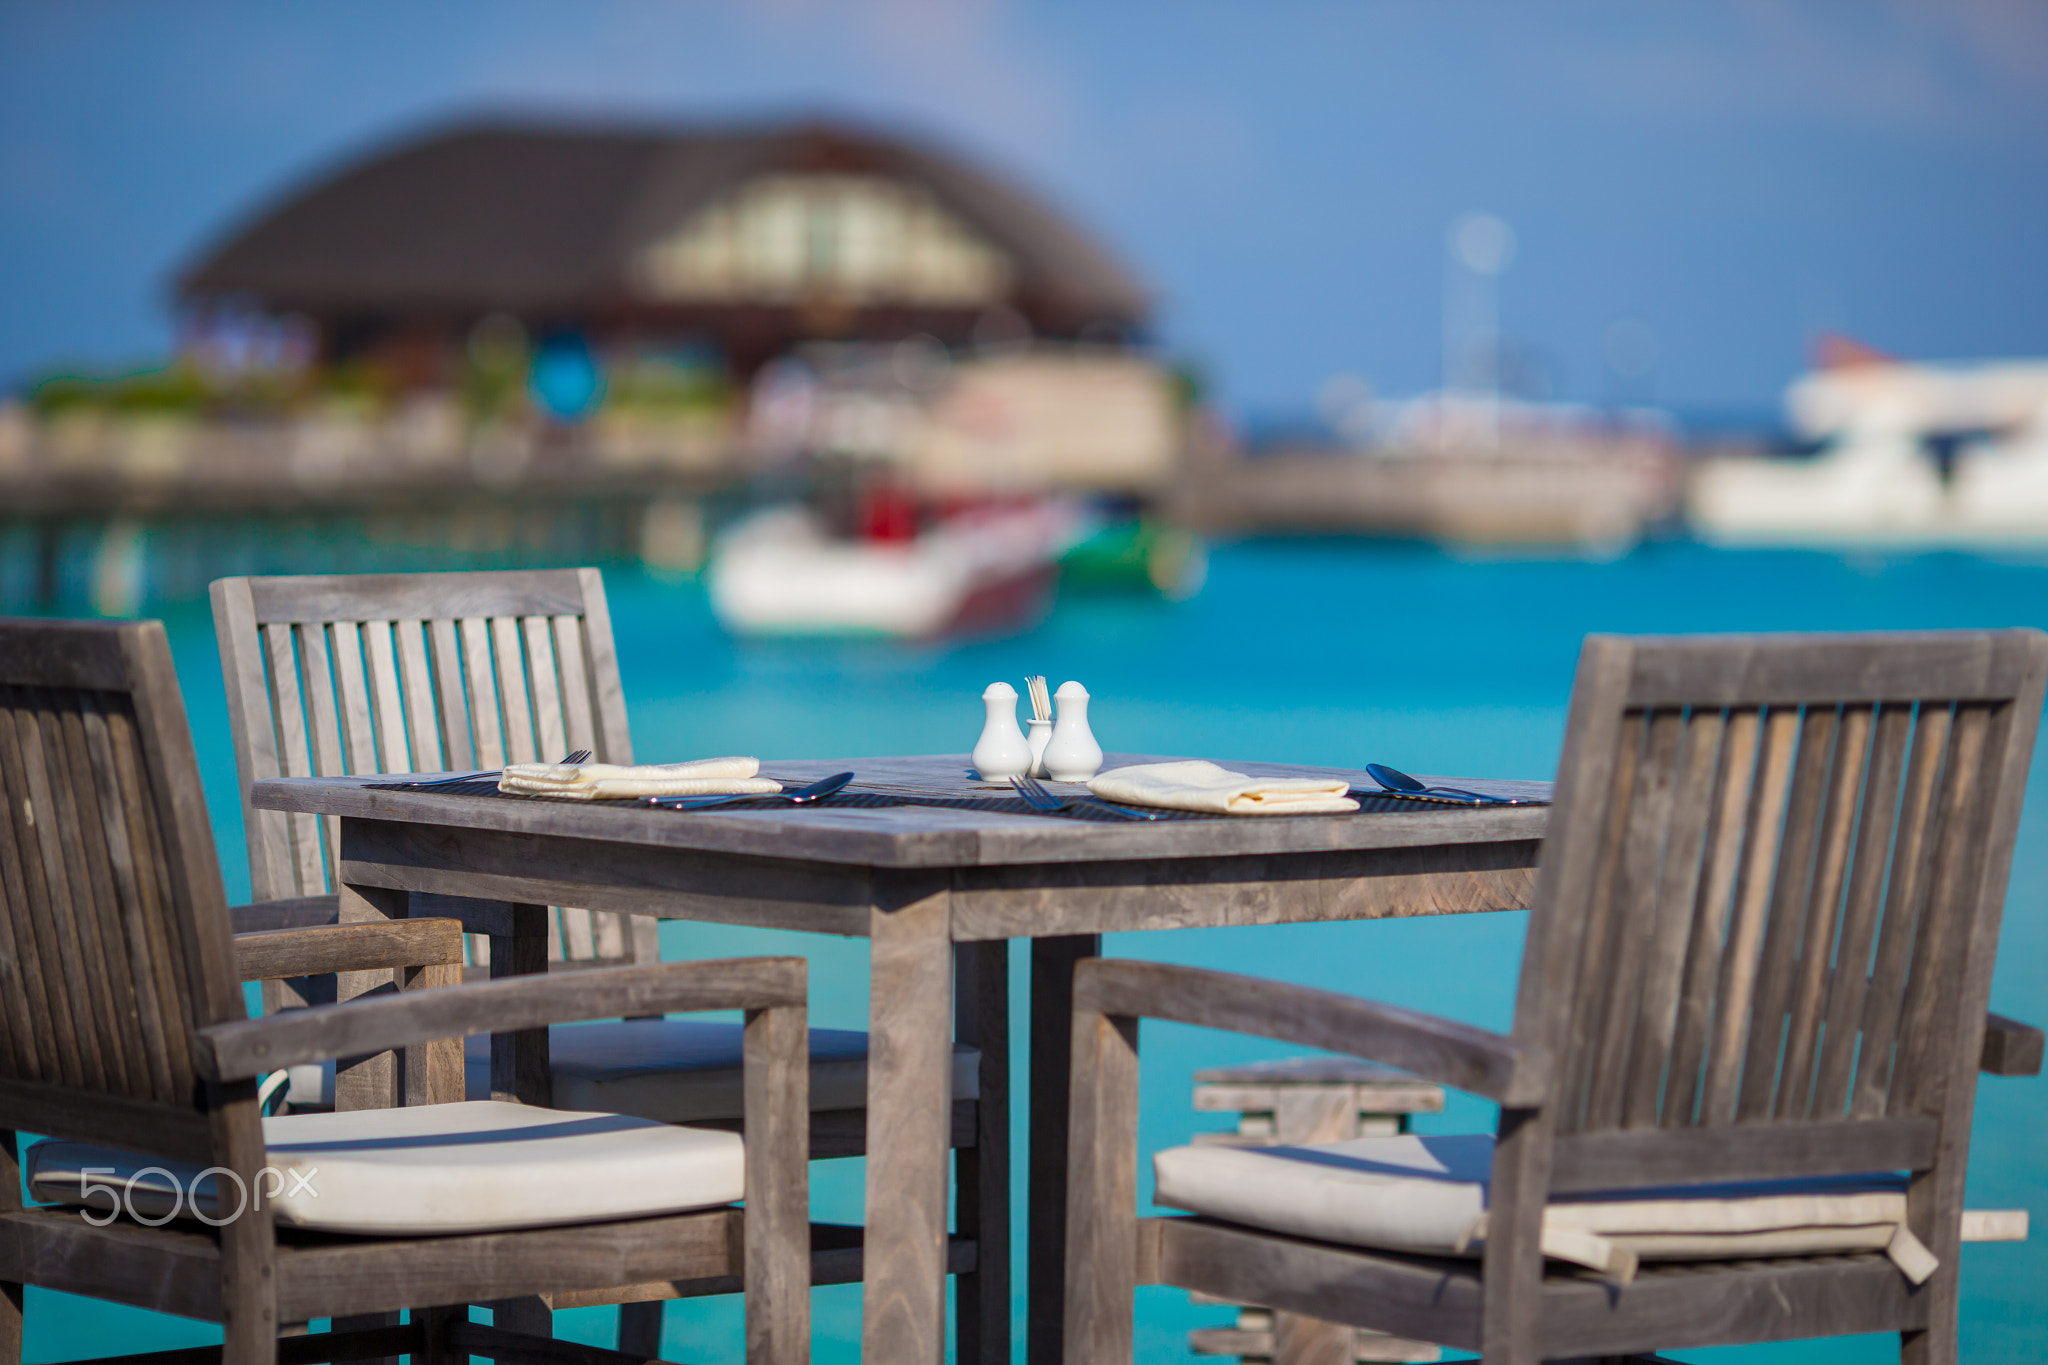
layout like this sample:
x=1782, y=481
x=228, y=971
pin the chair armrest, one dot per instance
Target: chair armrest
x=293, y=912
x=270, y=954
x=1489, y=1064
x=2010, y=1047
x=373, y=1024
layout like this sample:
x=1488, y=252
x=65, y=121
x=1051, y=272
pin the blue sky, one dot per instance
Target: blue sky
x=1735, y=175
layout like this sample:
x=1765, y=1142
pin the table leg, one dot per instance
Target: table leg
x=910, y=1040
x=368, y=1082
x=519, y=1061
x=981, y=1019
x=1052, y=1009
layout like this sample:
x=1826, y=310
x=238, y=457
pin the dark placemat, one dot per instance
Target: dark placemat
x=1001, y=805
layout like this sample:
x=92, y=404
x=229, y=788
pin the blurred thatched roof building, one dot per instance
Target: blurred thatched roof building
x=747, y=240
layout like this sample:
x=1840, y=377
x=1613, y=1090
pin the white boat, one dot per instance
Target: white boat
x=1913, y=454
x=981, y=570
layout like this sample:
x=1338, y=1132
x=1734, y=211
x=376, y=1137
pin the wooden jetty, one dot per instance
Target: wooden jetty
x=112, y=513
x=1597, y=496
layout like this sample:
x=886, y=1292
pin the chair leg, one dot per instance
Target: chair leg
x=11, y=1323
x=981, y=1019
x=1932, y=1346
x=248, y=1237
x=1102, y=1191
x=640, y=1329
x=1511, y=1266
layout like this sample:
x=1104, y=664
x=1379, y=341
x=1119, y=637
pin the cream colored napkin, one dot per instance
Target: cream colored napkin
x=611, y=782
x=1202, y=786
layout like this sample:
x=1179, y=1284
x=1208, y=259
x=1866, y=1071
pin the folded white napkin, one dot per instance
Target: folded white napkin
x=612, y=782
x=1203, y=786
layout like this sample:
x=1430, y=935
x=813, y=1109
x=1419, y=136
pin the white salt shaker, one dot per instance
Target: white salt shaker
x=1072, y=755
x=1001, y=753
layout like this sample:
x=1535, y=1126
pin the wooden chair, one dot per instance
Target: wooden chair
x=431, y=672
x=124, y=1039
x=451, y=671
x=1760, y=950
x=389, y=673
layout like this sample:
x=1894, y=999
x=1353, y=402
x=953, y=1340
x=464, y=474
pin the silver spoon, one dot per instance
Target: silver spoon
x=1394, y=780
x=802, y=796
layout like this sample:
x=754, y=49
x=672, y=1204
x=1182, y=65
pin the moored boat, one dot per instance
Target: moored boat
x=980, y=569
x=1910, y=454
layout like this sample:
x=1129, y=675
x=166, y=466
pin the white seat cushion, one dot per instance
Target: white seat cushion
x=442, y=1168
x=1427, y=1195
x=670, y=1070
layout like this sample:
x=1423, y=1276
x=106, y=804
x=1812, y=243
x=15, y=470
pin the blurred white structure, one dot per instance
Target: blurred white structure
x=985, y=569
x=1913, y=454
x=1465, y=467
x=1023, y=421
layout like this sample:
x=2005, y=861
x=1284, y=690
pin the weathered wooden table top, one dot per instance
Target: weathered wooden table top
x=933, y=836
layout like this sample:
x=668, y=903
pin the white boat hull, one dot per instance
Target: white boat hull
x=775, y=574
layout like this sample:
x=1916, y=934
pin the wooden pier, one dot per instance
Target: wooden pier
x=112, y=515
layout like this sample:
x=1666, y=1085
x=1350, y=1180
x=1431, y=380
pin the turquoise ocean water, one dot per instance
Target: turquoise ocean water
x=1306, y=651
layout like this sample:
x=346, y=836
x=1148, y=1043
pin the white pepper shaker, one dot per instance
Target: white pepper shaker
x=1001, y=753
x=1072, y=755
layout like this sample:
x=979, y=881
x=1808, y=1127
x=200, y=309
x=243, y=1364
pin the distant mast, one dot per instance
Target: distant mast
x=1478, y=248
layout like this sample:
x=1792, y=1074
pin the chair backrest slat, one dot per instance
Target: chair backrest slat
x=75, y=963
x=95, y=913
x=578, y=714
x=417, y=675
x=1613, y=1013
x=113, y=931
x=283, y=849
x=458, y=749
x=135, y=931
x=1843, y=1008
x=486, y=730
x=1720, y=846
x=1814, y=964
x=387, y=709
x=392, y=673
x=1655, y=1020
x=165, y=938
x=549, y=729
x=579, y=942
x=1597, y=936
x=1763, y=891
x=513, y=695
x=21, y=763
x=1913, y=842
x=351, y=686
x=1931, y=985
x=1735, y=987
x=1788, y=905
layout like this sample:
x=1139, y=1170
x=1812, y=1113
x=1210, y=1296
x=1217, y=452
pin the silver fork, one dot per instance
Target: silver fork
x=580, y=756
x=1038, y=798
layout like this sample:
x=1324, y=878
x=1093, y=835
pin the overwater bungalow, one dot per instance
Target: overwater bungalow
x=743, y=240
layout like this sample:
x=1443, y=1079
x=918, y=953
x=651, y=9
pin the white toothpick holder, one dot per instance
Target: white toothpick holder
x=1040, y=736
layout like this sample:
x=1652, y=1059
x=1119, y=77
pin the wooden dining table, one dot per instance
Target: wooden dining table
x=938, y=871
